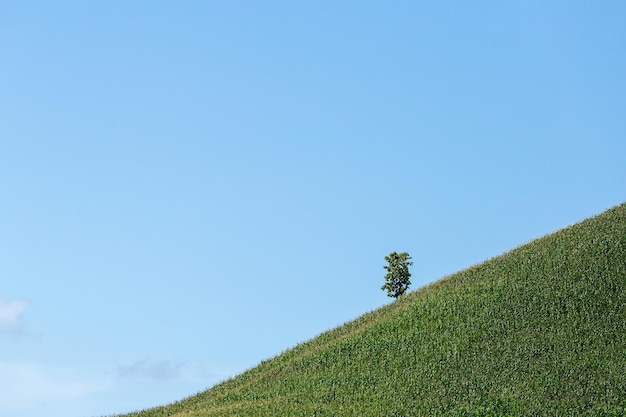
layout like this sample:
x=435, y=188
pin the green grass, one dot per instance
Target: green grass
x=538, y=331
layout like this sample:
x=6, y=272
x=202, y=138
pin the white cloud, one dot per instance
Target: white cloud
x=10, y=314
x=166, y=370
x=153, y=370
x=24, y=385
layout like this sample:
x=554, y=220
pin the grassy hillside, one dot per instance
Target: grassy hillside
x=540, y=330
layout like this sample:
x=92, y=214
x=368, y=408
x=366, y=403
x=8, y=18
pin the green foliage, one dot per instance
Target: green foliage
x=398, y=278
x=538, y=331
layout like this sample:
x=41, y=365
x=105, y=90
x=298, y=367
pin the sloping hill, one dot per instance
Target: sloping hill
x=540, y=330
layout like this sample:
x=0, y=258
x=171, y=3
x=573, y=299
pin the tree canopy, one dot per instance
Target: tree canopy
x=397, y=280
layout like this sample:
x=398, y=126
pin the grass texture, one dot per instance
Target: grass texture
x=537, y=331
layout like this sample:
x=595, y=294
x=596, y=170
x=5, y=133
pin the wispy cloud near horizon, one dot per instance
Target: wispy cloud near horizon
x=161, y=370
x=25, y=385
x=11, y=313
x=168, y=370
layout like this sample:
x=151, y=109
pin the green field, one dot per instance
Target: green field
x=538, y=331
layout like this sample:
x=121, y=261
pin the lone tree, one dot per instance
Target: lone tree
x=397, y=280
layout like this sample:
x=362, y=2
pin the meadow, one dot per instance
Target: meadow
x=537, y=331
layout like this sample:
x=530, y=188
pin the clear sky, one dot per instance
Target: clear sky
x=190, y=187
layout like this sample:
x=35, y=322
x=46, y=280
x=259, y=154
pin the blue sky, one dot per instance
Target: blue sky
x=188, y=188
